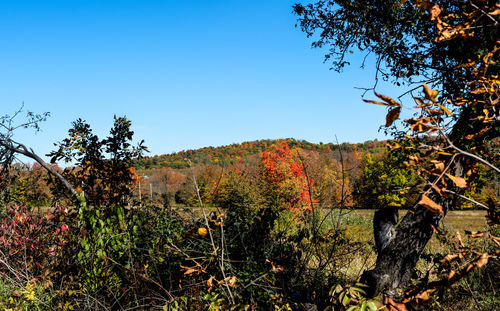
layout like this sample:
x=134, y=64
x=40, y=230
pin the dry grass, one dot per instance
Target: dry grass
x=472, y=220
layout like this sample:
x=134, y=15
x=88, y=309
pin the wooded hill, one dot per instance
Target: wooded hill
x=237, y=152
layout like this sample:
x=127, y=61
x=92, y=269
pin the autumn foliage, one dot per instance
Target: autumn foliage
x=286, y=178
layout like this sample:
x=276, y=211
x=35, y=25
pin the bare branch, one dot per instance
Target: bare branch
x=468, y=199
x=22, y=149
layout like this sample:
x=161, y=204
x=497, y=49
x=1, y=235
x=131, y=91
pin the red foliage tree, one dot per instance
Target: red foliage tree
x=287, y=183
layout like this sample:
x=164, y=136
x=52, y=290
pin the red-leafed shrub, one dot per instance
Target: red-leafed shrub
x=31, y=241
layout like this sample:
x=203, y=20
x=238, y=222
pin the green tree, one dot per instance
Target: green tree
x=387, y=181
x=102, y=169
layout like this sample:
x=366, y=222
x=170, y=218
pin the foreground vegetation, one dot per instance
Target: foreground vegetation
x=259, y=240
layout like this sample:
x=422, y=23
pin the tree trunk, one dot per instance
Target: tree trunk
x=397, y=260
x=399, y=246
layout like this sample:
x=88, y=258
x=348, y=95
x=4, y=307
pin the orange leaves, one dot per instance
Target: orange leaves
x=134, y=177
x=455, y=266
x=230, y=281
x=375, y=102
x=429, y=204
x=210, y=283
x=482, y=260
x=449, y=32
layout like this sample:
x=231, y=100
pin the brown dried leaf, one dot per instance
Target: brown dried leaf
x=388, y=100
x=449, y=257
x=425, y=295
x=474, y=234
x=459, y=238
x=440, y=191
x=434, y=11
x=392, y=116
x=482, y=260
x=394, y=306
x=439, y=166
x=232, y=281
x=375, y=102
x=451, y=274
x=210, y=283
x=430, y=94
x=190, y=271
x=458, y=181
x=432, y=206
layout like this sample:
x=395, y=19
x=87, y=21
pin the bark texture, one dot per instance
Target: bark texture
x=398, y=252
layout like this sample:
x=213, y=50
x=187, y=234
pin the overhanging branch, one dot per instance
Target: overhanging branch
x=22, y=149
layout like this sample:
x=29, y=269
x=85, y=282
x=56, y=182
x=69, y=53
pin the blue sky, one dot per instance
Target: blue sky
x=188, y=74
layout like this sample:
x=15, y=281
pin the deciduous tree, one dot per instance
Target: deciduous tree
x=454, y=47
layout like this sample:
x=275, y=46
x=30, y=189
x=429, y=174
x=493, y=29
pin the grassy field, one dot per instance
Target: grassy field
x=472, y=220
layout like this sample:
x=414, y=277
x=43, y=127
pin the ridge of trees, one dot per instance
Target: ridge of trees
x=229, y=154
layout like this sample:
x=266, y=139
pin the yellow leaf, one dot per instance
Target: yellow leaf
x=202, y=231
x=458, y=181
x=445, y=110
x=432, y=206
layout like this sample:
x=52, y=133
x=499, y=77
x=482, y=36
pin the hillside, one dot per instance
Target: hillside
x=243, y=151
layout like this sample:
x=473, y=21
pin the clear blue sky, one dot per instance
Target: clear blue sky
x=188, y=74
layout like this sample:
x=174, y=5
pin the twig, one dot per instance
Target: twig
x=468, y=199
x=482, y=11
x=255, y=280
x=215, y=248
